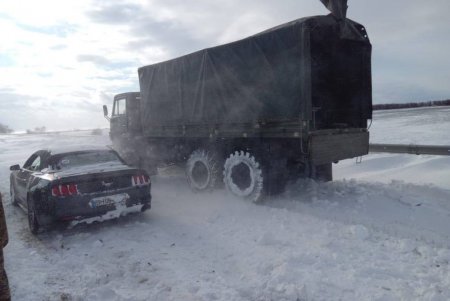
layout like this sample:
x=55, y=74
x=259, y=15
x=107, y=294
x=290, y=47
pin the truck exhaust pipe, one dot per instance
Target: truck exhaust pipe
x=338, y=8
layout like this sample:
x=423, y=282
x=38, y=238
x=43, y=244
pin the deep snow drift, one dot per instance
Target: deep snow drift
x=379, y=232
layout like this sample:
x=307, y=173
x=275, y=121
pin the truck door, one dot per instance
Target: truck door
x=134, y=113
x=119, y=121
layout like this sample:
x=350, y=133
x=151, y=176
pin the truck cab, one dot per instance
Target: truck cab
x=125, y=117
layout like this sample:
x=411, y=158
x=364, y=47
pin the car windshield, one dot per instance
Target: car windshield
x=85, y=158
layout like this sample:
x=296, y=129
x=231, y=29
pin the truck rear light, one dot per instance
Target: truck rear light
x=65, y=190
x=139, y=180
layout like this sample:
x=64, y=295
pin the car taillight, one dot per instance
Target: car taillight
x=139, y=180
x=55, y=191
x=65, y=190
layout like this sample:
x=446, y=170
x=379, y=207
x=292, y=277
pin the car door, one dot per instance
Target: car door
x=32, y=165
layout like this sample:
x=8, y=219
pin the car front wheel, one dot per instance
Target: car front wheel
x=12, y=193
x=32, y=217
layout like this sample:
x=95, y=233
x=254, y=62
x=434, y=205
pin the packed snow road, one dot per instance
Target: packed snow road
x=382, y=236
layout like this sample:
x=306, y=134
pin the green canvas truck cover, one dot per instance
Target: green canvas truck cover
x=280, y=74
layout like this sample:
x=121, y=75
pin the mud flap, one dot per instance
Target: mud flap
x=329, y=146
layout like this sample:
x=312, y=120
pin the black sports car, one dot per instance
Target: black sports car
x=77, y=185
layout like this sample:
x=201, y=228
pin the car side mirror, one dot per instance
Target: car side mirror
x=14, y=167
x=105, y=112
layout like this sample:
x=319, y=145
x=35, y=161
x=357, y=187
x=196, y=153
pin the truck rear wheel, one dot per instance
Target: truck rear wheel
x=242, y=176
x=202, y=170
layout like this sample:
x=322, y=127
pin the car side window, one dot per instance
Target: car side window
x=33, y=163
x=36, y=164
x=30, y=160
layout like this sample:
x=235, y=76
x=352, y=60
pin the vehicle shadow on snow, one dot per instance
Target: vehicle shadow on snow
x=311, y=192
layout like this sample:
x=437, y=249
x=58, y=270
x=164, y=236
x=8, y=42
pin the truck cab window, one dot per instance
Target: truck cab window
x=119, y=107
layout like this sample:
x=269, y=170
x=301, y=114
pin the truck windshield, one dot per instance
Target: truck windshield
x=119, y=106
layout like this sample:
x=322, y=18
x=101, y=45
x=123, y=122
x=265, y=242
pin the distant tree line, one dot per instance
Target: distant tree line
x=393, y=106
x=37, y=130
x=4, y=129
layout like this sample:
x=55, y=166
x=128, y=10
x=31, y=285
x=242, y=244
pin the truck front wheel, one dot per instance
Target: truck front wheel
x=202, y=170
x=242, y=176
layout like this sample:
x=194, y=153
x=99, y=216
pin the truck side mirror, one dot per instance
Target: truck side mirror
x=105, y=112
x=14, y=167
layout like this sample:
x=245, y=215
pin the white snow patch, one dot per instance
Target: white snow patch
x=359, y=232
x=121, y=210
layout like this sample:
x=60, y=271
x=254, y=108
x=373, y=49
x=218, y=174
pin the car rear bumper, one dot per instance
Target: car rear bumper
x=82, y=207
x=118, y=212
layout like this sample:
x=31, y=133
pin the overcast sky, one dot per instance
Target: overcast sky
x=60, y=61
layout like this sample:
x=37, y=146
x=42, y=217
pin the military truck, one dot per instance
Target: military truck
x=255, y=113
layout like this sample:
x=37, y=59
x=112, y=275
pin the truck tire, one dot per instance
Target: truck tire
x=202, y=170
x=242, y=176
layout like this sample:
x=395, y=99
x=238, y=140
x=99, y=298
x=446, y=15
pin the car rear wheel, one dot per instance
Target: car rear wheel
x=12, y=193
x=32, y=217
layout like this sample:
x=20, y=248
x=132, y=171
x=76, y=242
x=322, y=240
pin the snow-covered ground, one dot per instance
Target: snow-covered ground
x=429, y=125
x=379, y=232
